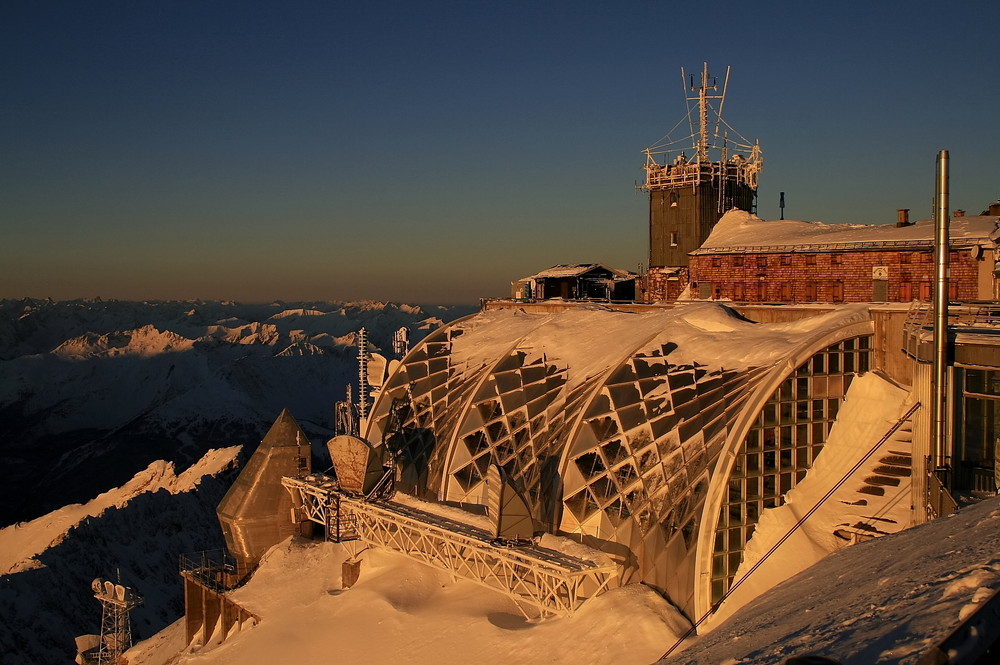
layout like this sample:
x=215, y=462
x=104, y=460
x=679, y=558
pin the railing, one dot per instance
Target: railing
x=982, y=317
x=217, y=570
x=547, y=581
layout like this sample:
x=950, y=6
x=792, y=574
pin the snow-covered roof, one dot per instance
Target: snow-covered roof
x=739, y=231
x=574, y=270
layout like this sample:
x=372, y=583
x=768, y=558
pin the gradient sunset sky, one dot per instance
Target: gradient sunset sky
x=433, y=151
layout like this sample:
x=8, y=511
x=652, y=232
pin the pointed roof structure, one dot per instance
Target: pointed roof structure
x=254, y=513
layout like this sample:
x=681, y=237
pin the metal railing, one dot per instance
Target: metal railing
x=543, y=580
x=217, y=570
x=978, y=316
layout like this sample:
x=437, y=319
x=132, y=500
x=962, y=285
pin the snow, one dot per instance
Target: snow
x=137, y=531
x=871, y=407
x=404, y=611
x=21, y=543
x=703, y=332
x=548, y=541
x=887, y=600
x=95, y=391
x=884, y=601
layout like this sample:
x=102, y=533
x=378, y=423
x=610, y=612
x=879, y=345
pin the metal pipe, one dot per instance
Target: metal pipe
x=940, y=403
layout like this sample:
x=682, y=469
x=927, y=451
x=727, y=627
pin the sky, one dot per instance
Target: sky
x=433, y=152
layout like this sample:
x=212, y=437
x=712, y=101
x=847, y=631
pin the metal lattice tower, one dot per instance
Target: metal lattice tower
x=363, y=373
x=117, y=602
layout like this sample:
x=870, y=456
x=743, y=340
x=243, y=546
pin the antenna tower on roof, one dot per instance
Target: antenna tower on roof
x=690, y=191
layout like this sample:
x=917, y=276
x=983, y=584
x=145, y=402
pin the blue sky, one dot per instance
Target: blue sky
x=434, y=151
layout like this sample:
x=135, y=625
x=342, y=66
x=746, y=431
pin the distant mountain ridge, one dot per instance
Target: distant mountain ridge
x=92, y=391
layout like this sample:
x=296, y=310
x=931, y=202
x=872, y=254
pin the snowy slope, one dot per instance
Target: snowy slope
x=401, y=611
x=91, y=392
x=870, y=409
x=883, y=601
x=138, y=530
x=20, y=544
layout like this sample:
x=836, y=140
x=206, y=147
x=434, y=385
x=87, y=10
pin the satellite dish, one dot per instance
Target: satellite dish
x=119, y=592
x=97, y=585
x=508, y=510
x=377, y=365
x=109, y=588
x=359, y=465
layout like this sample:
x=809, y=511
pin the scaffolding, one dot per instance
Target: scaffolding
x=541, y=581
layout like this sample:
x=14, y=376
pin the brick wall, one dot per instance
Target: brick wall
x=828, y=276
x=664, y=284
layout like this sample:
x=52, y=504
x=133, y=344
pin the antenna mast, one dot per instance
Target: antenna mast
x=363, y=374
x=707, y=83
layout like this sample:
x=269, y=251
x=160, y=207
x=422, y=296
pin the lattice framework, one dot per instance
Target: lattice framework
x=542, y=582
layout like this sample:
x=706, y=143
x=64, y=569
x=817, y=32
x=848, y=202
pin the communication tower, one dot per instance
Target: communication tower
x=689, y=193
x=117, y=602
x=401, y=341
x=363, y=357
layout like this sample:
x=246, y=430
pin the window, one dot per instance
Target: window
x=904, y=257
x=838, y=291
x=738, y=260
x=762, y=261
x=810, y=259
x=975, y=444
x=836, y=259
x=673, y=238
x=782, y=445
x=785, y=260
x=716, y=262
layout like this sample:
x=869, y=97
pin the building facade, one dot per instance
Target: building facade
x=751, y=260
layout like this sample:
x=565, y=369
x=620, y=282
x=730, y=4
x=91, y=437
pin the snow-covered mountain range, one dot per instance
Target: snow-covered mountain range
x=93, y=391
x=136, y=531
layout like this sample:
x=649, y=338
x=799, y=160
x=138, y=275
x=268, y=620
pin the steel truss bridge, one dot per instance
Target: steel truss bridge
x=541, y=581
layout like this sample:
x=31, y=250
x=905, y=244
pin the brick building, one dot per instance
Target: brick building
x=747, y=259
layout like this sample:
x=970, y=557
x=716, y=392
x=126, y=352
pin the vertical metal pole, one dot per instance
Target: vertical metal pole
x=940, y=405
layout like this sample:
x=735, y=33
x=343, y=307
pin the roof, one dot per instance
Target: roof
x=575, y=270
x=739, y=231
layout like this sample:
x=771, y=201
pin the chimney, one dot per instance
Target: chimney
x=902, y=217
x=995, y=208
x=958, y=213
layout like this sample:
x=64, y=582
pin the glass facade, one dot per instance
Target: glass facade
x=978, y=431
x=648, y=440
x=612, y=424
x=780, y=447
